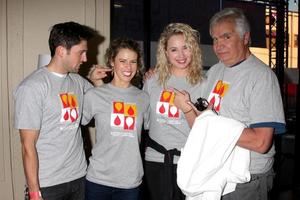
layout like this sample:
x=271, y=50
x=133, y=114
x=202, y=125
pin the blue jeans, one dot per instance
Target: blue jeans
x=94, y=191
x=73, y=190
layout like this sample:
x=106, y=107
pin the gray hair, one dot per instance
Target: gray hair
x=236, y=15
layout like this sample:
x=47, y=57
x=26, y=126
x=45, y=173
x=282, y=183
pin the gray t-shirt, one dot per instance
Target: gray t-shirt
x=119, y=116
x=168, y=125
x=52, y=104
x=248, y=92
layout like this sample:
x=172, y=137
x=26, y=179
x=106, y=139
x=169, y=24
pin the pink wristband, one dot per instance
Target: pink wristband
x=35, y=195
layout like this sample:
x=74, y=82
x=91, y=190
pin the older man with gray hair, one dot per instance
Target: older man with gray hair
x=243, y=88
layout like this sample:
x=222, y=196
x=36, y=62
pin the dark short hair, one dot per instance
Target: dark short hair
x=123, y=43
x=68, y=34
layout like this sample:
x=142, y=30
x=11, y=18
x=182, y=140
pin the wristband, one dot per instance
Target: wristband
x=35, y=195
x=188, y=111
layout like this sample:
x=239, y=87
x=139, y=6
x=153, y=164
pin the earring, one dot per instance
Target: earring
x=112, y=71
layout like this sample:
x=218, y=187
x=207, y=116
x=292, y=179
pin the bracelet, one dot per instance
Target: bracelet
x=35, y=195
x=188, y=111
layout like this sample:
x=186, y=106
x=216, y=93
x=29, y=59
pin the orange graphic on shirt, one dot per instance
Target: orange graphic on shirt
x=124, y=115
x=118, y=107
x=217, y=94
x=221, y=88
x=166, y=96
x=130, y=110
x=69, y=107
x=165, y=106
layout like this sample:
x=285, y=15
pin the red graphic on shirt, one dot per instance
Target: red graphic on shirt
x=124, y=115
x=69, y=107
x=165, y=106
x=173, y=111
x=162, y=109
x=117, y=121
x=130, y=111
x=118, y=107
x=219, y=91
x=129, y=123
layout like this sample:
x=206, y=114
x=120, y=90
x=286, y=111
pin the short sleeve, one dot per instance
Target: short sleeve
x=146, y=86
x=28, y=109
x=87, y=111
x=86, y=85
x=265, y=100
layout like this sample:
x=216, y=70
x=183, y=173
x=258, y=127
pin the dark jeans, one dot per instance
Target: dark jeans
x=73, y=190
x=94, y=191
x=155, y=183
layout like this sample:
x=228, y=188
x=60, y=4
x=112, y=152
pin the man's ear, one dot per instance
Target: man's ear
x=60, y=51
x=247, y=38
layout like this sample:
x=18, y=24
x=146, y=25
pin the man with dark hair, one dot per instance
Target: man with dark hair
x=48, y=108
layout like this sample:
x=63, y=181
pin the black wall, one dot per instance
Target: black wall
x=128, y=17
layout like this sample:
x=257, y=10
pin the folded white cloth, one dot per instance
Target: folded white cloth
x=211, y=164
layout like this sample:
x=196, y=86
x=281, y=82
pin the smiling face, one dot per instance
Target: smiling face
x=125, y=67
x=178, y=54
x=229, y=47
x=74, y=57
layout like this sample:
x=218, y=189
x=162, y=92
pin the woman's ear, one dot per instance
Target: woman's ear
x=112, y=63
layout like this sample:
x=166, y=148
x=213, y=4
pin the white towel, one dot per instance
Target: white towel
x=211, y=164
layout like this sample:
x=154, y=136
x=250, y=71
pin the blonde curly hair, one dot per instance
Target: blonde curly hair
x=192, y=39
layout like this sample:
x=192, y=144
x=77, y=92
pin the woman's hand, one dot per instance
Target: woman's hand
x=97, y=73
x=209, y=107
x=181, y=100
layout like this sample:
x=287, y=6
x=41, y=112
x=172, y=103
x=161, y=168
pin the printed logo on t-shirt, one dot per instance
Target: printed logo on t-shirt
x=166, y=111
x=123, y=118
x=217, y=94
x=69, y=107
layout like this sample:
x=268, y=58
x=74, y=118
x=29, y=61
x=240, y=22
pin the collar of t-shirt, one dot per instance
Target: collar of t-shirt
x=59, y=75
x=237, y=63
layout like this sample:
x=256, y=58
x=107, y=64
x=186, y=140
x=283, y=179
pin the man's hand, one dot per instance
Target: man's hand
x=97, y=73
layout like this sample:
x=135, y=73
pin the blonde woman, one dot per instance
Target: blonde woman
x=179, y=68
